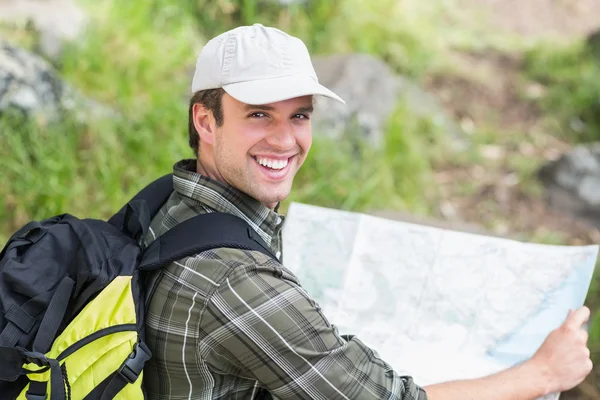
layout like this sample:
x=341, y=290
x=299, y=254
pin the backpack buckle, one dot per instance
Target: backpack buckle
x=132, y=367
x=36, y=358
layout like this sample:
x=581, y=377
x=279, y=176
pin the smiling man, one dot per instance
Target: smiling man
x=236, y=324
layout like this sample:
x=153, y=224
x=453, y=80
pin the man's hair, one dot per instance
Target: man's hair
x=211, y=99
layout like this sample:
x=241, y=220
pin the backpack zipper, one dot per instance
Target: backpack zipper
x=96, y=335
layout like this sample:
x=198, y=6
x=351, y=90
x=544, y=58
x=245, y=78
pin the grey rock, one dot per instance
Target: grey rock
x=593, y=44
x=573, y=182
x=56, y=21
x=31, y=86
x=372, y=92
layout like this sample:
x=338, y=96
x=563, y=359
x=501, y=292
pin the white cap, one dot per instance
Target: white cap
x=258, y=65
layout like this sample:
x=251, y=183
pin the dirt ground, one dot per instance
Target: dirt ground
x=489, y=98
x=491, y=93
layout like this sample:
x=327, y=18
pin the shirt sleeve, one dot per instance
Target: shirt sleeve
x=262, y=326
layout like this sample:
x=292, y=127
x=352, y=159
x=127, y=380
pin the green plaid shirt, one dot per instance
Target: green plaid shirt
x=236, y=324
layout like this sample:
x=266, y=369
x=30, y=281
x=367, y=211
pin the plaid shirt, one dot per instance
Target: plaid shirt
x=236, y=324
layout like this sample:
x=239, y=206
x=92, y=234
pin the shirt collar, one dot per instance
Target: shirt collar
x=224, y=198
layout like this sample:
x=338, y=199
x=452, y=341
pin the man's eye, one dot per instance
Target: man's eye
x=258, y=115
x=301, y=116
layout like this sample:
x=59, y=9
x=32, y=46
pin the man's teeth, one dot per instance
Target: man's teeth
x=273, y=164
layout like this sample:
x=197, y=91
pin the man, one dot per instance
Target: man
x=236, y=324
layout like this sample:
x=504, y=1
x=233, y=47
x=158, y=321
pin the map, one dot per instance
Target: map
x=435, y=304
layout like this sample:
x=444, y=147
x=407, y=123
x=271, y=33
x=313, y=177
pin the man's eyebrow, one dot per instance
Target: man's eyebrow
x=263, y=107
x=308, y=109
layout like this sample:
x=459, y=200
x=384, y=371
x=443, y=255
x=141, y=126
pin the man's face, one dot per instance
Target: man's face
x=259, y=149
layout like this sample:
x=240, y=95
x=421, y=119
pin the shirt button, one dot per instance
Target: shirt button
x=278, y=255
x=278, y=220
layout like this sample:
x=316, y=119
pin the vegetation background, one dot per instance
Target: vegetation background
x=516, y=75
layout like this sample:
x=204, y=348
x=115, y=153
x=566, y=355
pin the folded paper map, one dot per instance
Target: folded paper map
x=435, y=304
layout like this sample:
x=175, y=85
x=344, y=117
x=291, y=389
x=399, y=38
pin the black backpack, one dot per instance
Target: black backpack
x=58, y=274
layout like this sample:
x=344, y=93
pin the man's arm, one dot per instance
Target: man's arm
x=561, y=363
x=261, y=325
x=518, y=383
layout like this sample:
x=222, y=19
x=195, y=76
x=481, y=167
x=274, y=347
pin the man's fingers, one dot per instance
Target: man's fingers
x=568, y=317
x=583, y=336
x=576, y=319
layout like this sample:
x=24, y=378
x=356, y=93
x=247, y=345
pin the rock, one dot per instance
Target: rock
x=372, y=92
x=573, y=182
x=593, y=44
x=30, y=85
x=56, y=21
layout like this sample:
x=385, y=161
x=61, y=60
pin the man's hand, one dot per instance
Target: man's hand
x=561, y=363
x=564, y=358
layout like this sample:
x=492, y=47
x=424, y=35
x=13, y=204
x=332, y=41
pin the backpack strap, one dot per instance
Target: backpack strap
x=134, y=217
x=200, y=233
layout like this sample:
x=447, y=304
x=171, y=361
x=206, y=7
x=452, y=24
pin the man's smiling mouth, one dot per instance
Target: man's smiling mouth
x=275, y=164
x=274, y=169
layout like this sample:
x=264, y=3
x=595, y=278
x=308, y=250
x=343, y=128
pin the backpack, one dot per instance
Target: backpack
x=73, y=294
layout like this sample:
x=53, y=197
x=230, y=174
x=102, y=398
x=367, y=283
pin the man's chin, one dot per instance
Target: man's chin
x=273, y=197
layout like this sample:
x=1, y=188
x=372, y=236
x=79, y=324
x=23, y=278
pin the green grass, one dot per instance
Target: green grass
x=355, y=177
x=570, y=77
x=137, y=58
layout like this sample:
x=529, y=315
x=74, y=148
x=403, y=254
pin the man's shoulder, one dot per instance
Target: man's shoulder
x=209, y=270
x=176, y=210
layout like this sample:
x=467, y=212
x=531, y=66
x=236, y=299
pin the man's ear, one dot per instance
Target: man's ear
x=204, y=122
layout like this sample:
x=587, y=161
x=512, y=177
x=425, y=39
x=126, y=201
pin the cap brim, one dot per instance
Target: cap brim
x=265, y=91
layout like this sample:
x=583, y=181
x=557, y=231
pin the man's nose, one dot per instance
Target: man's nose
x=282, y=136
